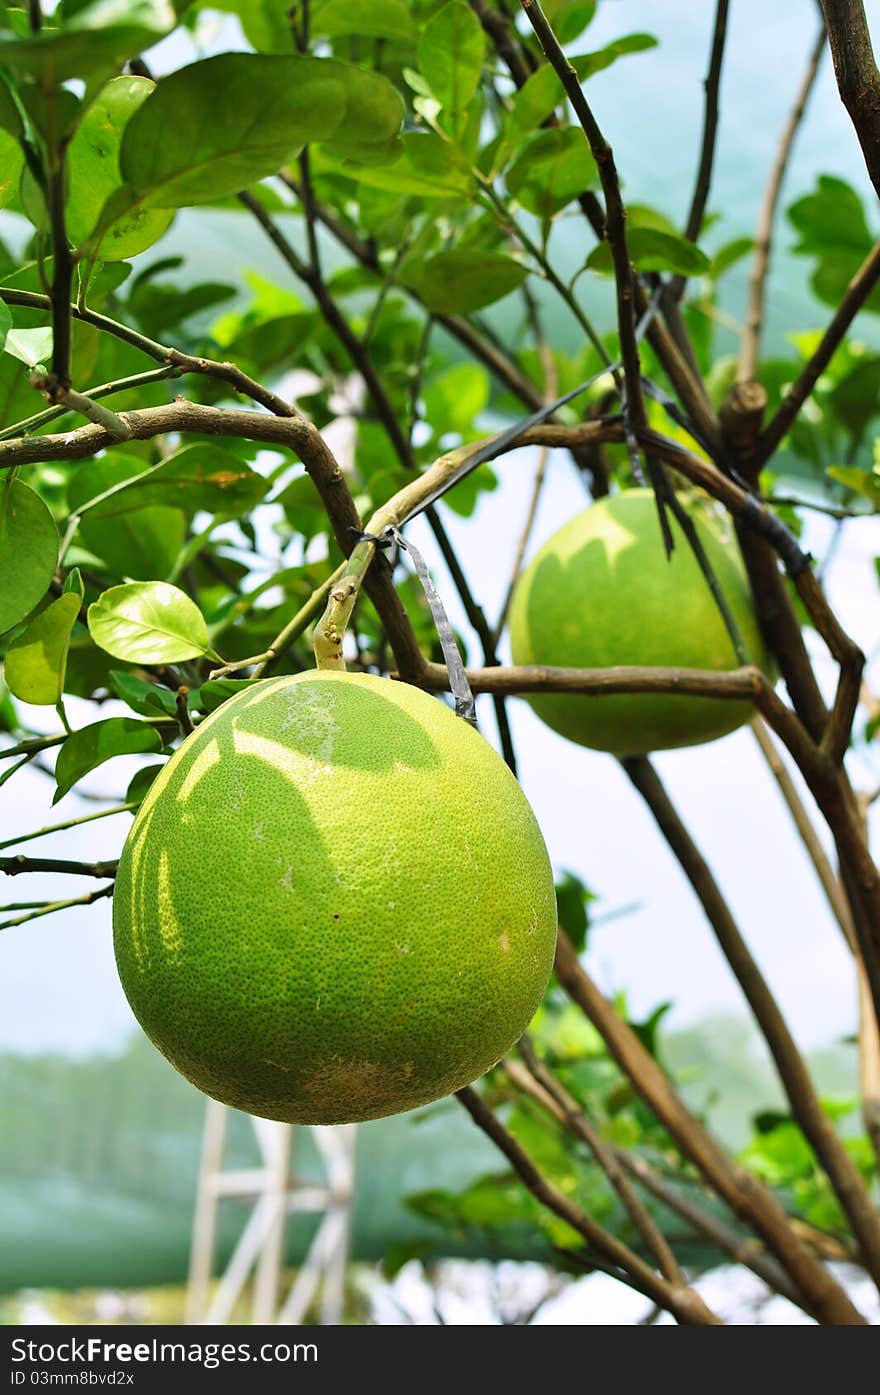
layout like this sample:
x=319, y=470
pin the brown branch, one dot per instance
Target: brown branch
x=14, y=866
x=806, y=1108
x=748, y=1198
x=710, y=125
x=503, y=36
x=858, y=80
x=187, y=363
x=860, y=287
x=615, y=214
x=742, y=1249
x=683, y=1303
x=748, y=361
x=869, y=1033
x=578, y=1124
x=602, y=682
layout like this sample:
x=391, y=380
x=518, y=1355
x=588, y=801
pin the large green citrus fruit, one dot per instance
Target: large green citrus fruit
x=335, y=902
x=601, y=593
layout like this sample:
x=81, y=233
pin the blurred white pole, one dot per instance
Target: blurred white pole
x=275, y=1191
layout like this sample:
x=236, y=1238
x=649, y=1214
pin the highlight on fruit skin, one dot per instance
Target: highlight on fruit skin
x=601, y=593
x=335, y=902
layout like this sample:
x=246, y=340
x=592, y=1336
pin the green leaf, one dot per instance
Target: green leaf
x=11, y=164
x=428, y=167
x=91, y=746
x=589, y=63
x=99, y=37
x=147, y=699
x=94, y=176
x=137, y=545
x=184, y=146
x=856, y=398
x=377, y=19
x=455, y=397
x=36, y=660
x=457, y=282
x=573, y=899
x=148, y=622
x=728, y=255
x=216, y=691
x=542, y=92
x=830, y=220
x=569, y=18
x=28, y=551
x=196, y=477
x=140, y=783
x=653, y=250
x=73, y=584
x=30, y=346
x=450, y=58
x=551, y=169
x=864, y=482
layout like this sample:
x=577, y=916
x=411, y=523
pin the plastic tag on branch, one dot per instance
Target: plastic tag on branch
x=458, y=680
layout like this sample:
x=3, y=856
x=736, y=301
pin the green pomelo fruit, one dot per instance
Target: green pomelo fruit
x=601, y=593
x=335, y=902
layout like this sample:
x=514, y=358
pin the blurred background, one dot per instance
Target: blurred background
x=100, y=1139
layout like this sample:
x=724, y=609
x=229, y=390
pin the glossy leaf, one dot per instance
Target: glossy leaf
x=147, y=699
x=183, y=146
x=93, y=175
x=36, y=660
x=450, y=56
x=196, y=477
x=29, y=346
x=28, y=551
x=11, y=163
x=542, y=92
x=550, y=170
x=460, y=281
x=137, y=545
x=653, y=250
x=98, y=37
x=88, y=748
x=148, y=622
x=428, y=167
x=377, y=19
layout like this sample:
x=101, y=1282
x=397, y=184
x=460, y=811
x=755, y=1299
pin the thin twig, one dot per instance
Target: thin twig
x=68, y=823
x=682, y=1302
x=748, y=361
x=712, y=86
x=605, y=1156
x=50, y=907
x=860, y=287
x=747, y=1197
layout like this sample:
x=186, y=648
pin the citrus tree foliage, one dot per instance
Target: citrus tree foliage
x=166, y=535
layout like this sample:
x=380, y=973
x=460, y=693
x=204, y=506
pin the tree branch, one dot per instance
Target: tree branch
x=748, y=1198
x=578, y=1124
x=860, y=287
x=683, y=1303
x=740, y=1248
x=817, y=1128
x=703, y=183
x=858, y=80
x=50, y=907
x=748, y=361
x=14, y=866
